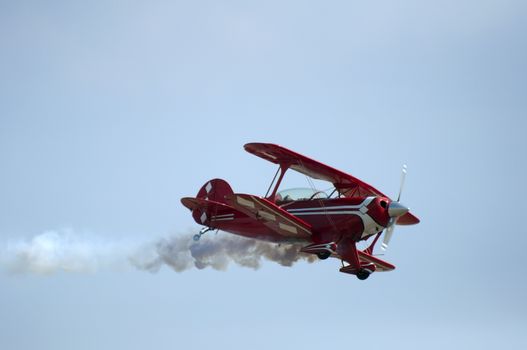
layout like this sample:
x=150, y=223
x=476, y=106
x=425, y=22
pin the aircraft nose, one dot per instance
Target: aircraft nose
x=396, y=209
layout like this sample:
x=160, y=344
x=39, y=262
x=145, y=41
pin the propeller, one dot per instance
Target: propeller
x=403, y=177
x=395, y=210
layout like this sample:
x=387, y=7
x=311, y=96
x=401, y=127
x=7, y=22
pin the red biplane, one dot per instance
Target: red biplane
x=330, y=224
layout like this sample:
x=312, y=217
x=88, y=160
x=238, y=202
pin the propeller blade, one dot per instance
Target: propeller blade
x=396, y=210
x=403, y=177
x=388, y=234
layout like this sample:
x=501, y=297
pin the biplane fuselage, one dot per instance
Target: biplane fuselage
x=329, y=225
x=330, y=219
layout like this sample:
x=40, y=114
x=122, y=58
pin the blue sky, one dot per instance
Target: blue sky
x=110, y=112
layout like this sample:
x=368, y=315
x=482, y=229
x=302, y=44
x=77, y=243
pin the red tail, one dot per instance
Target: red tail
x=215, y=190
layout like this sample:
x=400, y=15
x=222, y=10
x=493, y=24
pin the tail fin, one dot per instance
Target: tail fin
x=215, y=190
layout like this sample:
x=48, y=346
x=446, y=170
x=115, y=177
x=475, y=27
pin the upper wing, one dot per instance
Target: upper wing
x=348, y=185
x=272, y=216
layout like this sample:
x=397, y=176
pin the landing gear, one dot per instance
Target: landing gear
x=204, y=230
x=322, y=250
x=323, y=255
x=363, y=274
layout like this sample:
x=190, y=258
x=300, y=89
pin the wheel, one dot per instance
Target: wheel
x=196, y=237
x=363, y=274
x=324, y=255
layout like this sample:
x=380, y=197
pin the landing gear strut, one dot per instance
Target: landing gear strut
x=204, y=230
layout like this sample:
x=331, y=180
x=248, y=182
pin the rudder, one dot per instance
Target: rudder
x=215, y=190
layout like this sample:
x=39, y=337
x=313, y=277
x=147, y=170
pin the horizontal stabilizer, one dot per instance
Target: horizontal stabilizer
x=207, y=212
x=194, y=203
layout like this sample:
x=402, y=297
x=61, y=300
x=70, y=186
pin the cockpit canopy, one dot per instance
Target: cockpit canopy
x=297, y=194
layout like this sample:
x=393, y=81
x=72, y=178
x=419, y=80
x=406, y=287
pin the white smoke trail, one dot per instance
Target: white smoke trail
x=182, y=253
x=62, y=250
x=54, y=251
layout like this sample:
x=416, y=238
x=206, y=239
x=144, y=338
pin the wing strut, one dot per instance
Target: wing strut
x=283, y=168
x=272, y=182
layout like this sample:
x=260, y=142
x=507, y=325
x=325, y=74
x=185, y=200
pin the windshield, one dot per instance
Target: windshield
x=295, y=194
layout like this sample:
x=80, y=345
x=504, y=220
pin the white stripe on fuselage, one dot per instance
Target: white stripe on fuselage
x=224, y=217
x=326, y=208
x=327, y=212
